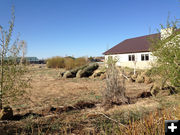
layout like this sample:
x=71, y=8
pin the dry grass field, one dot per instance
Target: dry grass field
x=49, y=90
x=73, y=106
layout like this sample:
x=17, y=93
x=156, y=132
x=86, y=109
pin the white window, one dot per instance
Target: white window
x=131, y=57
x=144, y=57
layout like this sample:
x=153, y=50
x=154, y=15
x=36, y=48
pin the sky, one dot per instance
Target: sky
x=83, y=27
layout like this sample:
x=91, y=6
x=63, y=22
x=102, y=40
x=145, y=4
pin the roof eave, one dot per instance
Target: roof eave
x=125, y=52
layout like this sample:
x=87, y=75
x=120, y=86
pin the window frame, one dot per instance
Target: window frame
x=131, y=57
x=145, y=57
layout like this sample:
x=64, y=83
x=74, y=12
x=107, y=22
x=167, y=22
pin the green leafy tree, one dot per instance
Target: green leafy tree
x=12, y=74
x=167, y=52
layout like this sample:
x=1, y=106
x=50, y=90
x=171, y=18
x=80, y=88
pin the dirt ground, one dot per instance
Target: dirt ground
x=49, y=90
x=75, y=104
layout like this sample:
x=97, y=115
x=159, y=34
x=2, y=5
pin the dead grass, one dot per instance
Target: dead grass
x=48, y=90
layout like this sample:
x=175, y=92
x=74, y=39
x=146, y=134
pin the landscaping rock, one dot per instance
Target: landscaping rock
x=6, y=113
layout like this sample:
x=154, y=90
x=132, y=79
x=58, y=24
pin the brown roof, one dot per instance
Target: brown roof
x=133, y=45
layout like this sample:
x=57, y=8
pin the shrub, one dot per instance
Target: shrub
x=115, y=85
x=56, y=62
x=12, y=77
x=80, y=61
x=67, y=62
x=166, y=50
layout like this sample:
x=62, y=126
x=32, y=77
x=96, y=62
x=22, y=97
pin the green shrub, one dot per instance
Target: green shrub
x=166, y=51
x=151, y=72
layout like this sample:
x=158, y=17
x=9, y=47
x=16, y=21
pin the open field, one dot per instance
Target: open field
x=73, y=106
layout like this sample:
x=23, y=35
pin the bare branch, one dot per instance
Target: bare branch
x=120, y=124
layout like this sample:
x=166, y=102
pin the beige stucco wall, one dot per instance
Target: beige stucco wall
x=124, y=62
x=139, y=64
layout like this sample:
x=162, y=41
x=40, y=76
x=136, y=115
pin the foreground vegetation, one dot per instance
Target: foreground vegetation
x=145, y=116
x=12, y=73
x=167, y=51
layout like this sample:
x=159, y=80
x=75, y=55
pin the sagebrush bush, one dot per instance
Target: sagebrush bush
x=67, y=62
x=115, y=85
x=56, y=62
x=80, y=61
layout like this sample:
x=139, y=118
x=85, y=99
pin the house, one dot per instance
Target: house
x=135, y=52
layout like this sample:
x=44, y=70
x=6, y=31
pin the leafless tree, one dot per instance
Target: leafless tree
x=115, y=85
